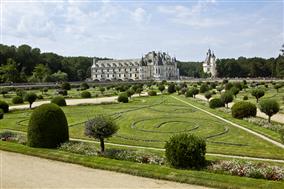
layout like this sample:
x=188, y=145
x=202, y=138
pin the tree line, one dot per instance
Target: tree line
x=27, y=64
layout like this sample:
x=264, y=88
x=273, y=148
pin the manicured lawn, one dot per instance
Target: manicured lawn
x=150, y=121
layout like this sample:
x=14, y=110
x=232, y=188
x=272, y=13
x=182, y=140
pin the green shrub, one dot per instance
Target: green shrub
x=208, y=95
x=161, y=88
x=62, y=92
x=59, y=100
x=17, y=100
x=243, y=109
x=31, y=98
x=257, y=93
x=122, y=97
x=189, y=93
x=20, y=92
x=186, y=151
x=130, y=92
x=269, y=107
x=48, y=127
x=245, y=97
x=203, y=88
x=66, y=86
x=152, y=93
x=84, y=86
x=235, y=91
x=4, y=106
x=86, y=94
x=39, y=97
x=1, y=114
x=216, y=103
x=171, y=88
x=227, y=97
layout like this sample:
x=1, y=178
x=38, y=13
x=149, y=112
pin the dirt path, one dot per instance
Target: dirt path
x=234, y=124
x=73, y=101
x=279, y=117
x=21, y=171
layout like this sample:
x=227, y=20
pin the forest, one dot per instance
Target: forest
x=27, y=64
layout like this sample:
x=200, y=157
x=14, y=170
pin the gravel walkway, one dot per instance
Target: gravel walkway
x=21, y=171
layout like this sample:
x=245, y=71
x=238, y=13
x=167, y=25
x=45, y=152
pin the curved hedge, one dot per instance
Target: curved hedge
x=122, y=97
x=4, y=106
x=17, y=100
x=216, y=103
x=186, y=151
x=48, y=127
x=243, y=109
x=86, y=94
x=59, y=100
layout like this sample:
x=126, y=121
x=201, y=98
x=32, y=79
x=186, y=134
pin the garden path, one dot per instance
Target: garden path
x=22, y=171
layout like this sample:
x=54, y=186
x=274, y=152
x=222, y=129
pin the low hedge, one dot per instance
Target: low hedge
x=243, y=109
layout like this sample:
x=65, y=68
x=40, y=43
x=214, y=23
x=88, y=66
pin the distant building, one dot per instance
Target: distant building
x=152, y=66
x=209, y=65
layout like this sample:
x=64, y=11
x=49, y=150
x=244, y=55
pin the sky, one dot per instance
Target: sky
x=128, y=29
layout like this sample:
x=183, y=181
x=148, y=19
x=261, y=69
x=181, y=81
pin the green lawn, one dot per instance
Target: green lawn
x=150, y=121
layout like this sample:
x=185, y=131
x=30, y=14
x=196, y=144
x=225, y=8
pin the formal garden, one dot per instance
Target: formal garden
x=152, y=131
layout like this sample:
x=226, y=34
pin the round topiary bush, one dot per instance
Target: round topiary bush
x=189, y=93
x=216, y=103
x=245, y=97
x=186, y=151
x=122, y=97
x=17, y=100
x=4, y=106
x=1, y=114
x=86, y=94
x=152, y=93
x=243, y=109
x=59, y=100
x=48, y=127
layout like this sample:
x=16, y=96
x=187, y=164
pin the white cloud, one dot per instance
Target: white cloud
x=140, y=16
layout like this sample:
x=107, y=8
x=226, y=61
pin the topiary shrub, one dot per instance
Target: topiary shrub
x=31, y=98
x=243, y=109
x=208, y=95
x=269, y=107
x=86, y=94
x=62, y=92
x=66, y=86
x=40, y=97
x=189, y=93
x=48, y=127
x=4, y=106
x=245, y=97
x=17, y=100
x=257, y=93
x=227, y=97
x=152, y=93
x=203, y=88
x=171, y=88
x=59, y=100
x=84, y=86
x=216, y=103
x=122, y=97
x=1, y=114
x=186, y=151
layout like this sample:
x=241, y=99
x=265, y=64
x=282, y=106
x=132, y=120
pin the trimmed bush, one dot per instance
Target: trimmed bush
x=243, y=109
x=66, y=86
x=62, y=92
x=17, y=100
x=186, y=151
x=245, y=97
x=59, y=100
x=4, y=106
x=1, y=114
x=171, y=88
x=257, y=93
x=31, y=98
x=203, y=88
x=84, y=86
x=189, y=93
x=39, y=97
x=86, y=94
x=216, y=103
x=48, y=127
x=227, y=97
x=208, y=95
x=269, y=107
x=20, y=92
x=152, y=93
x=122, y=97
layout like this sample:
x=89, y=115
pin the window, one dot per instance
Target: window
x=130, y=75
x=96, y=76
x=129, y=69
x=107, y=75
x=119, y=75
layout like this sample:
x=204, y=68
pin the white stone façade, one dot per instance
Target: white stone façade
x=152, y=66
x=209, y=65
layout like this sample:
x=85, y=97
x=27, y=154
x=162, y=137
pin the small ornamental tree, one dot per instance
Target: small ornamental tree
x=48, y=127
x=277, y=87
x=161, y=88
x=130, y=92
x=66, y=86
x=219, y=89
x=86, y=94
x=139, y=90
x=269, y=107
x=3, y=91
x=31, y=98
x=186, y=151
x=101, y=127
x=44, y=90
x=227, y=97
x=152, y=93
x=195, y=91
x=189, y=93
x=4, y=106
x=257, y=93
x=208, y=95
x=228, y=86
x=243, y=109
x=171, y=88
x=235, y=91
x=102, y=90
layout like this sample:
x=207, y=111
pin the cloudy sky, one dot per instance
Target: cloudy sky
x=128, y=29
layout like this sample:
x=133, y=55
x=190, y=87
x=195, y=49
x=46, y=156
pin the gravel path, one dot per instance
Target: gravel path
x=21, y=171
x=279, y=117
